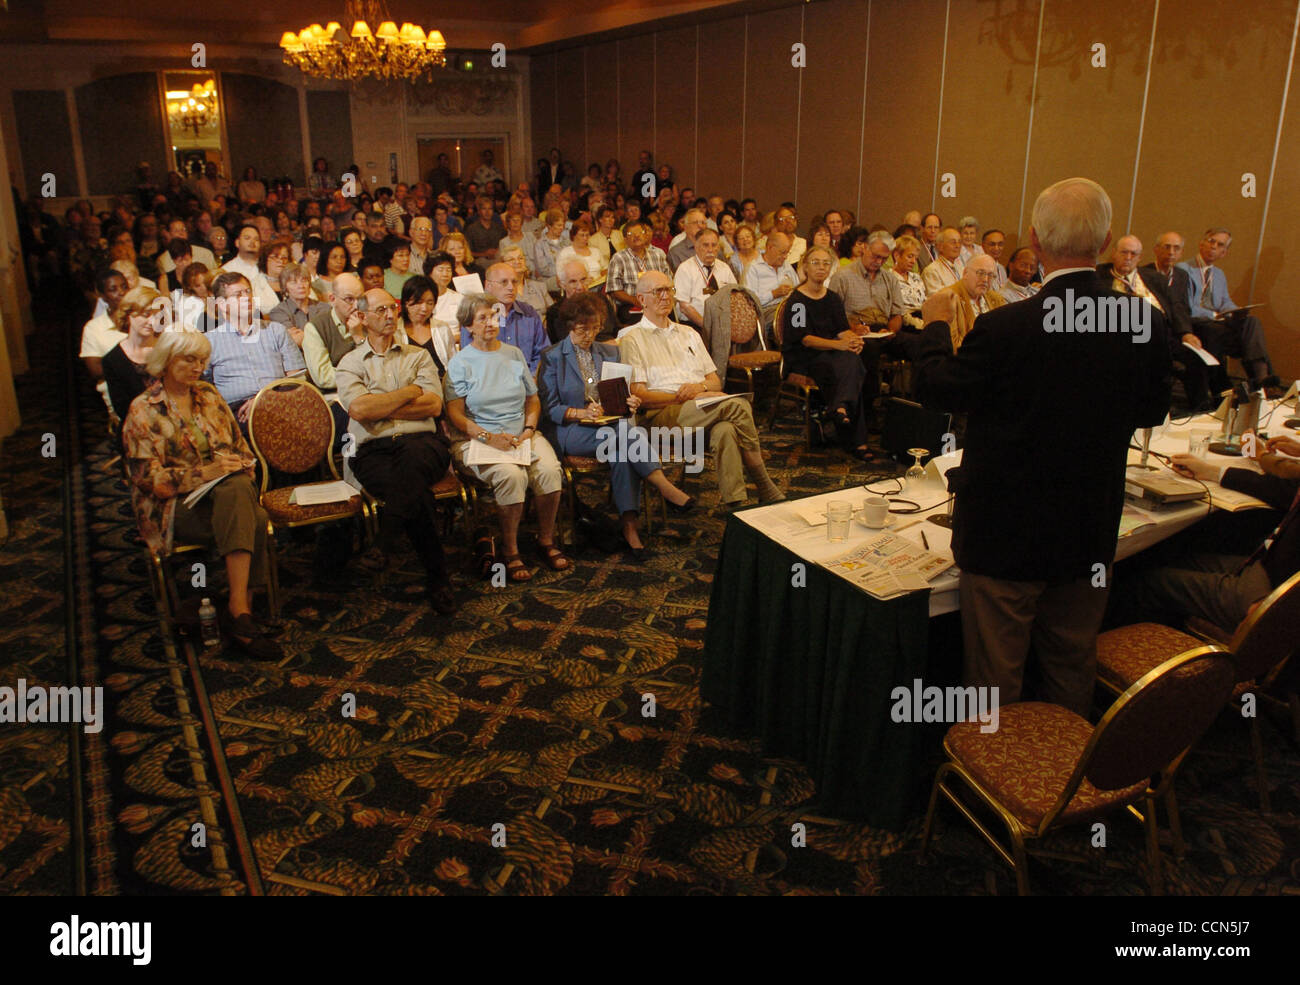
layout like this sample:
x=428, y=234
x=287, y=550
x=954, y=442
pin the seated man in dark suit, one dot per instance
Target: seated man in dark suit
x=1169, y=250
x=1036, y=516
x=1218, y=570
x=1128, y=278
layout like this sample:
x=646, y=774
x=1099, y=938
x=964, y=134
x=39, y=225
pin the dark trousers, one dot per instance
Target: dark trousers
x=906, y=344
x=843, y=380
x=1241, y=336
x=401, y=472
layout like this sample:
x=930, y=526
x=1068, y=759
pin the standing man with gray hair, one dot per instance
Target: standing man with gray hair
x=1041, y=485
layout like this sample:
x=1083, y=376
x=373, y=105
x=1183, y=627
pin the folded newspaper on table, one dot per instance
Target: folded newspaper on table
x=319, y=493
x=888, y=565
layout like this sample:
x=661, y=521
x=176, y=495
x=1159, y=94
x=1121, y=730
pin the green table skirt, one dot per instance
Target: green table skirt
x=810, y=671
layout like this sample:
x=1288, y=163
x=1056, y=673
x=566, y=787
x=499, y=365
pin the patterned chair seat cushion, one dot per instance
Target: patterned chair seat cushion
x=447, y=486
x=754, y=360
x=1126, y=654
x=1027, y=762
x=798, y=379
x=277, y=505
x=583, y=463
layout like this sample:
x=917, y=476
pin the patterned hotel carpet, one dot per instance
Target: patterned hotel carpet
x=523, y=711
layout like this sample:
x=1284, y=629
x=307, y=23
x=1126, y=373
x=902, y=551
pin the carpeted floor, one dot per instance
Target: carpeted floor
x=501, y=751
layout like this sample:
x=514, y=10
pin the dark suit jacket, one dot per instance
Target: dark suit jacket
x=1050, y=417
x=1283, y=557
x=560, y=384
x=1180, y=322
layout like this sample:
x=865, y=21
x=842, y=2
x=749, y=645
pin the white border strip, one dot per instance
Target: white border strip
x=1272, y=168
x=862, y=143
x=1142, y=122
x=938, y=129
x=1029, y=136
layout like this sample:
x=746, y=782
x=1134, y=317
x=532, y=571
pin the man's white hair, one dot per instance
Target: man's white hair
x=1072, y=219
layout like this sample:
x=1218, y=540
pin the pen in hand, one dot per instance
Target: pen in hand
x=925, y=543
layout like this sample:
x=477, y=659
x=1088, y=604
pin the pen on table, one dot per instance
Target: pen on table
x=925, y=542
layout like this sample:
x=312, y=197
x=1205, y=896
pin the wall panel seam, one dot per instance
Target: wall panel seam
x=1272, y=168
x=1029, y=135
x=1142, y=119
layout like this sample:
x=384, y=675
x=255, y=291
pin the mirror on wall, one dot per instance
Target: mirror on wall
x=193, y=121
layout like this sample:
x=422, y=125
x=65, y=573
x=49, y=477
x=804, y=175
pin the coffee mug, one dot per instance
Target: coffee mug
x=875, y=511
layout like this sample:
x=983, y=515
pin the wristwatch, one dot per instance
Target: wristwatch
x=482, y=436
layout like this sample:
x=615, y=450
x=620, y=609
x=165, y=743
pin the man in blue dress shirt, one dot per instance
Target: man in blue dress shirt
x=521, y=325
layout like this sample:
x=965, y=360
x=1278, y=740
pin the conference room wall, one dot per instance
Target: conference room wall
x=949, y=88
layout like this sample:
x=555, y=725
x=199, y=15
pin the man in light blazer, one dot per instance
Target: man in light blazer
x=1238, y=335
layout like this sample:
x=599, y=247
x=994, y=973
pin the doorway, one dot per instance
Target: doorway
x=464, y=155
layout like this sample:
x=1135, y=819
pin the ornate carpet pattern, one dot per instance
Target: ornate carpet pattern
x=503, y=751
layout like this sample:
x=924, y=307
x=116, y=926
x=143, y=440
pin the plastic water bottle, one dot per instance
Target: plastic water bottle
x=208, y=624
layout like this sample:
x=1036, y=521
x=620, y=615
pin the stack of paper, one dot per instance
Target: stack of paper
x=319, y=493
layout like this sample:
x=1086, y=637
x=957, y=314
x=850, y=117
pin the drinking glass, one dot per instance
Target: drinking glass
x=838, y=514
x=916, y=471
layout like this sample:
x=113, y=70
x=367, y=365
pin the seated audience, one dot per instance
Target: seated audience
x=682, y=246
x=607, y=239
x=947, y=266
x=371, y=273
x=746, y=252
x=190, y=309
x=399, y=269
x=485, y=233
x=567, y=382
x=1239, y=335
x=969, y=229
x=178, y=435
x=333, y=261
x=457, y=246
x=628, y=264
x=699, y=278
x=674, y=370
x=816, y=341
x=973, y=296
x=573, y=284
x=529, y=289
x=247, y=352
x=419, y=300
x=299, y=303
x=1021, y=269
x=580, y=249
x=332, y=331
x=771, y=277
x=550, y=244
x=393, y=395
x=492, y=399
x=142, y=321
x=516, y=236
x=99, y=334
x=992, y=243
x=520, y=326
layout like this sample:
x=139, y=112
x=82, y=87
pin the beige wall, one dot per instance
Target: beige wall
x=896, y=94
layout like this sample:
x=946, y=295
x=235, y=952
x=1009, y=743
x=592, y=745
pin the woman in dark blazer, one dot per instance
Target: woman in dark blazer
x=566, y=380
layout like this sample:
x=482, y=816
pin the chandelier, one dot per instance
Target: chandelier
x=387, y=53
x=195, y=109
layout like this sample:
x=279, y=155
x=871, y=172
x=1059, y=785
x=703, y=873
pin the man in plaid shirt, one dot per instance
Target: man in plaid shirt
x=628, y=264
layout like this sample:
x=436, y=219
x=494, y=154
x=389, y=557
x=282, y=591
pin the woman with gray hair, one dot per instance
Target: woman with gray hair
x=492, y=401
x=969, y=227
x=178, y=435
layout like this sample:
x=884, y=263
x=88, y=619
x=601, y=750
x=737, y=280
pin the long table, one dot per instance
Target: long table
x=806, y=661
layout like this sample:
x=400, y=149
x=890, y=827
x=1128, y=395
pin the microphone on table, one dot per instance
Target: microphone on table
x=945, y=519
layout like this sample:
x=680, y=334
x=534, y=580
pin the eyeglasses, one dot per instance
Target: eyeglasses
x=819, y=263
x=662, y=293
x=385, y=309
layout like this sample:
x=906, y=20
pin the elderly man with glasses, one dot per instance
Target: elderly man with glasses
x=785, y=220
x=974, y=296
x=673, y=373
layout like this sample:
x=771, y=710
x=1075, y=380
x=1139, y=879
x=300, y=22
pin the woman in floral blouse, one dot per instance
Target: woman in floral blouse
x=178, y=435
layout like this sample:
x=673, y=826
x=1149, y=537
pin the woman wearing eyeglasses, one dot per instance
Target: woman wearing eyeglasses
x=816, y=341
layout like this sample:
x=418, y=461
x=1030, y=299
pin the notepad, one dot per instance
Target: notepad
x=705, y=402
x=468, y=284
x=319, y=493
x=1206, y=358
x=481, y=453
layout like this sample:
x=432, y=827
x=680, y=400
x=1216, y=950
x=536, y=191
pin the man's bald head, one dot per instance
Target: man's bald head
x=500, y=283
x=777, y=249
x=1128, y=251
x=573, y=278
x=655, y=292
x=344, y=294
x=381, y=312
x=978, y=275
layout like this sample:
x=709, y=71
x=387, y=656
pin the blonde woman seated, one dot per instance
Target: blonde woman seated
x=492, y=399
x=529, y=290
x=911, y=289
x=463, y=258
x=178, y=435
x=143, y=315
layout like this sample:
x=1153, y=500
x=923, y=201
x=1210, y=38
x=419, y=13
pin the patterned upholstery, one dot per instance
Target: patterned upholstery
x=1124, y=655
x=744, y=319
x=277, y=505
x=798, y=379
x=758, y=359
x=448, y=487
x=1028, y=761
x=583, y=463
x=291, y=426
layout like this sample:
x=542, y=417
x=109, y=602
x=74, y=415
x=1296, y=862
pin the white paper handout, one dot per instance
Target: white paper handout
x=318, y=493
x=480, y=453
x=197, y=494
x=468, y=284
x=1206, y=358
x=610, y=370
x=705, y=402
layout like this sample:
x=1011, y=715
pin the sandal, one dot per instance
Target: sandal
x=553, y=557
x=516, y=570
x=485, y=553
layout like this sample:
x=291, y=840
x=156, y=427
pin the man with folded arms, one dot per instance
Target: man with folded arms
x=1036, y=516
x=393, y=396
x=674, y=370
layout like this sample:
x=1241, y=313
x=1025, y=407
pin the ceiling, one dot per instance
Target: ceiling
x=519, y=24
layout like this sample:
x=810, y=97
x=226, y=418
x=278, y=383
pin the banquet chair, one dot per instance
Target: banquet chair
x=291, y=430
x=1260, y=648
x=1046, y=767
x=749, y=351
